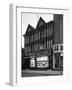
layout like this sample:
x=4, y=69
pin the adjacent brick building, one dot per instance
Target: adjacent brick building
x=58, y=42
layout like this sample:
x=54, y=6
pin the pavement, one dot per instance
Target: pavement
x=27, y=73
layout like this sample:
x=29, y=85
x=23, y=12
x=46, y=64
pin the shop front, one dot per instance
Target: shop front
x=58, y=61
x=58, y=57
x=42, y=62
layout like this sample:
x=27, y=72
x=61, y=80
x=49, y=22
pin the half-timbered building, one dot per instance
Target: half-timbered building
x=38, y=43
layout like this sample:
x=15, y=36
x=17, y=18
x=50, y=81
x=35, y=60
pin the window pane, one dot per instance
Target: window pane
x=51, y=30
x=47, y=32
x=27, y=39
x=25, y=49
x=41, y=46
x=32, y=48
x=42, y=34
x=44, y=45
x=47, y=44
x=61, y=47
x=30, y=38
x=29, y=49
x=51, y=43
x=56, y=48
x=36, y=47
x=36, y=36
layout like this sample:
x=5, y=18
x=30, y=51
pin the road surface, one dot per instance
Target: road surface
x=30, y=73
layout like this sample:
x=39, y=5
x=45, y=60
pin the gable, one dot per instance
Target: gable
x=29, y=28
x=40, y=22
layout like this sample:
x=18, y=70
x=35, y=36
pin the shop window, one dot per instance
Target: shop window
x=42, y=62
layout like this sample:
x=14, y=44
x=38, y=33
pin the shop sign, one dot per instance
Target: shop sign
x=42, y=62
x=42, y=58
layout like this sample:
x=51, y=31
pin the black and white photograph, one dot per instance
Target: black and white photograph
x=41, y=44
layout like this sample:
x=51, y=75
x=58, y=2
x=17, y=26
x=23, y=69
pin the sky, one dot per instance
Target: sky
x=32, y=19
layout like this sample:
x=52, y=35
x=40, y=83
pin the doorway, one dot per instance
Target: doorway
x=57, y=61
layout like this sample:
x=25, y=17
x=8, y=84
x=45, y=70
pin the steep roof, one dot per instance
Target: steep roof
x=40, y=22
x=29, y=28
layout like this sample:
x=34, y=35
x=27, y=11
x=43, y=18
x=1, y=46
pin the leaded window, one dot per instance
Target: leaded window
x=41, y=46
x=36, y=36
x=41, y=34
x=35, y=47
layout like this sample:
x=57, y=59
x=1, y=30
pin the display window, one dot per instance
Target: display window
x=32, y=62
x=42, y=62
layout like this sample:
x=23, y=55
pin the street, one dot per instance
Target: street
x=30, y=73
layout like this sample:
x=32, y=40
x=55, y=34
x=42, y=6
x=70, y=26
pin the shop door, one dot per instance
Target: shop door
x=61, y=63
x=57, y=61
x=51, y=62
